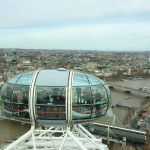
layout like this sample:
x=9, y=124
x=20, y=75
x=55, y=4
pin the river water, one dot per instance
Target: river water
x=11, y=129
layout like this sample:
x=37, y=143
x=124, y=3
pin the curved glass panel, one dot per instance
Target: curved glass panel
x=93, y=80
x=108, y=92
x=50, y=103
x=25, y=79
x=46, y=112
x=80, y=79
x=52, y=78
x=6, y=96
x=82, y=101
x=15, y=79
x=82, y=95
x=6, y=92
x=99, y=94
x=82, y=111
x=20, y=99
x=101, y=81
x=99, y=110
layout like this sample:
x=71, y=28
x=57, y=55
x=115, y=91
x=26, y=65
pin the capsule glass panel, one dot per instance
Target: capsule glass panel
x=82, y=100
x=89, y=97
x=80, y=79
x=6, y=98
x=50, y=103
x=15, y=79
x=25, y=79
x=20, y=99
x=92, y=80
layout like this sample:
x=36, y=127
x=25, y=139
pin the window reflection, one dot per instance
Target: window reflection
x=81, y=112
x=6, y=98
x=25, y=79
x=99, y=110
x=14, y=80
x=20, y=99
x=93, y=80
x=82, y=95
x=20, y=110
x=99, y=94
x=58, y=96
x=7, y=92
x=51, y=95
x=89, y=101
x=20, y=94
x=82, y=100
x=50, y=102
x=50, y=112
x=80, y=79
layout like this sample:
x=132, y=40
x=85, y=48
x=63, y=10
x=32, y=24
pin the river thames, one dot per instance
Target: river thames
x=11, y=129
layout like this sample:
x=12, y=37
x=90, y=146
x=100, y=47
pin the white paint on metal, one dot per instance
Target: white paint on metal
x=86, y=136
x=76, y=140
x=49, y=138
x=31, y=102
x=69, y=98
x=86, y=131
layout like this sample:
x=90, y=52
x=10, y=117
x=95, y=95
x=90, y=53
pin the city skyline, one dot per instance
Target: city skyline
x=64, y=24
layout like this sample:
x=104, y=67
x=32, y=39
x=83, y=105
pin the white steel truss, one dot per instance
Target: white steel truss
x=75, y=137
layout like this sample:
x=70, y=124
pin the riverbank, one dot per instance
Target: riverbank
x=125, y=78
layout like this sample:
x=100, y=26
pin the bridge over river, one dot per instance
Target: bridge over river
x=138, y=92
x=118, y=134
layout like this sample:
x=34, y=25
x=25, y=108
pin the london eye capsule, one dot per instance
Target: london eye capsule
x=58, y=96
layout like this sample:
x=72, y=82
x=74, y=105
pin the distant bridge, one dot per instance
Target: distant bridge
x=142, y=93
x=116, y=134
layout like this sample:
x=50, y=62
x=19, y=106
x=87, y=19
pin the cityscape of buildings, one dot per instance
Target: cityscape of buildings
x=104, y=64
x=108, y=65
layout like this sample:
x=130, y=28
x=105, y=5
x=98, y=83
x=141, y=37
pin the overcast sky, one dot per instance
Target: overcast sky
x=75, y=24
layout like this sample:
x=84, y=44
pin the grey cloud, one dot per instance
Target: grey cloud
x=25, y=13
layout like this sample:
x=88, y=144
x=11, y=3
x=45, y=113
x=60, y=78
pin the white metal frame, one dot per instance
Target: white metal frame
x=58, y=138
x=32, y=97
x=69, y=98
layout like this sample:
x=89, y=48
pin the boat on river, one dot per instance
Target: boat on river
x=128, y=97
